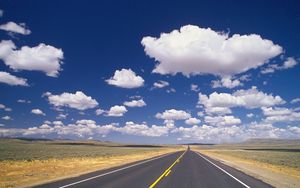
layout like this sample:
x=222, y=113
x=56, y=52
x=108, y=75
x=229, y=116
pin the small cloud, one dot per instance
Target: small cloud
x=290, y=62
x=99, y=112
x=8, y=109
x=171, y=90
x=15, y=28
x=37, y=112
x=61, y=116
x=116, y=111
x=173, y=114
x=296, y=100
x=200, y=114
x=78, y=100
x=160, y=84
x=135, y=103
x=227, y=82
x=1, y=13
x=23, y=101
x=195, y=87
x=136, y=97
x=2, y=106
x=12, y=80
x=250, y=115
x=192, y=121
x=126, y=78
x=6, y=118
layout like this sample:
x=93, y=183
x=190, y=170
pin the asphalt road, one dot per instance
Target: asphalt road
x=186, y=169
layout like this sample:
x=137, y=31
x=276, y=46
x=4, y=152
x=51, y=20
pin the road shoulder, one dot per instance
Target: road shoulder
x=268, y=173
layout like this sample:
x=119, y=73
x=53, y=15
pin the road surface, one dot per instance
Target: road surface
x=185, y=169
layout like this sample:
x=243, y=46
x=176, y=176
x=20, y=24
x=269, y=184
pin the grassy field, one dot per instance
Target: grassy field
x=274, y=161
x=14, y=149
x=25, y=163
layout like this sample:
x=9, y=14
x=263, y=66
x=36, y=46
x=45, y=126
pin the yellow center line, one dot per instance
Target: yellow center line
x=167, y=172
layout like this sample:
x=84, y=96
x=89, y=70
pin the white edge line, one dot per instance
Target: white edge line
x=224, y=171
x=117, y=170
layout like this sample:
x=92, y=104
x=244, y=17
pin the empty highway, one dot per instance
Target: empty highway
x=185, y=169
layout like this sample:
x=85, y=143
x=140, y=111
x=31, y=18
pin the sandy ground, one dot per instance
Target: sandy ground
x=278, y=176
x=29, y=173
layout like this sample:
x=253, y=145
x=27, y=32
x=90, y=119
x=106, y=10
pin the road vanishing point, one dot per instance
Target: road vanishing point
x=184, y=169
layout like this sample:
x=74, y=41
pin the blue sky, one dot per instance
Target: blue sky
x=150, y=71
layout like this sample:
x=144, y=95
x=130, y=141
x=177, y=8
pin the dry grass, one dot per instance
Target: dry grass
x=279, y=166
x=40, y=169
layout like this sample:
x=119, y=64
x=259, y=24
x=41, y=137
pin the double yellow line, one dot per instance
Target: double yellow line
x=167, y=172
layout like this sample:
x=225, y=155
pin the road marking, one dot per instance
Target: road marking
x=167, y=171
x=117, y=170
x=223, y=170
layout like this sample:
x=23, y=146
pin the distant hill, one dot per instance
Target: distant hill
x=263, y=141
x=77, y=142
x=270, y=144
x=198, y=144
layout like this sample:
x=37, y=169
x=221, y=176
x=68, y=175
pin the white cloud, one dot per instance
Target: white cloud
x=6, y=118
x=135, y=103
x=15, y=28
x=99, y=112
x=126, y=78
x=117, y=111
x=222, y=120
x=136, y=97
x=86, y=128
x=86, y=122
x=218, y=110
x=219, y=134
x=250, y=115
x=132, y=128
x=289, y=63
x=280, y=115
x=12, y=80
x=193, y=50
x=171, y=90
x=38, y=112
x=192, y=121
x=160, y=84
x=1, y=13
x=296, y=100
x=2, y=106
x=275, y=111
x=227, y=82
x=294, y=129
x=43, y=57
x=61, y=116
x=200, y=114
x=77, y=100
x=23, y=101
x=82, y=128
x=251, y=98
x=8, y=109
x=213, y=134
x=195, y=87
x=47, y=122
x=173, y=114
